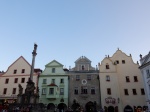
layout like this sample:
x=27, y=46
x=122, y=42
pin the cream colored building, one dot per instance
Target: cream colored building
x=17, y=73
x=121, y=84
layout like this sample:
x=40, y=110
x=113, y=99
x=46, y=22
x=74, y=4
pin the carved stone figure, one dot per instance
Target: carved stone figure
x=30, y=89
x=20, y=89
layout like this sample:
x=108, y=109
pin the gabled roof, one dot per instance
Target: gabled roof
x=17, y=60
x=54, y=61
x=81, y=58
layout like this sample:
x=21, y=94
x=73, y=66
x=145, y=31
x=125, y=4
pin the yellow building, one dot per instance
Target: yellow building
x=121, y=84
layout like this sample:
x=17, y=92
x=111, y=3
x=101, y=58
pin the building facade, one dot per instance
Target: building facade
x=121, y=84
x=17, y=73
x=84, y=86
x=53, y=85
x=145, y=70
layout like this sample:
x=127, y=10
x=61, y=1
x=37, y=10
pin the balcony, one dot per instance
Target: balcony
x=52, y=96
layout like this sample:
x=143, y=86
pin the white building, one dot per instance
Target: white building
x=145, y=70
x=121, y=84
x=17, y=73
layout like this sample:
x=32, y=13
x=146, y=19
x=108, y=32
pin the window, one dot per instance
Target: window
x=134, y=91
x=53, y=81
x=126, y=92
x=84, y=90
x=142, y=92
x=44, y=81
x=22, y=80
x=61, y=91
x=135, y=79
x=43, y=91
x=23, y=71
x=53, y=70
x=77, y=77
x=76, y=90
x=92, y=90
x=61, y=80
x=14, y=91
x=107, y=78
x=51, y=91
x=108, y=91
x=88, y=77
x=5, y=91
x=117, y=61
x=148, y=73
x=127, y=79
x=6, y=81
x=107, y=66
x=82, y=67
x=123, y=61
x=16, y=80
x=15, y=71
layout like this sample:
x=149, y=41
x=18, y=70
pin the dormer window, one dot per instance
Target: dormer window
x=107, y=66
x=53, y=70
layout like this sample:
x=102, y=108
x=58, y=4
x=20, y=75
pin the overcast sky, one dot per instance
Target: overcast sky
x=67, y=29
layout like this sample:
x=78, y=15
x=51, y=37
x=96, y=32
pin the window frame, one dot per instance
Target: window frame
x=92, y=90
x=15, y=71
x=135, y=78
x=107, y=78
x=76, y=91
x=126, y=92
x=77, y=77
x=53, y=70
x=89, y=77
x=51, y=92
x=62, y=81
x=23, y=71
x=4, y=91
x=7, y=81
x=44, y=81
x=14, y=91
x=142, y=91
x=127, y=79
x=109, y=91
x=22, y=80
x=61, y=91
x=84, y=90
x=107, y=66
x=134, y=91
x=123, y=62
x=16, y=80
x=43, y=91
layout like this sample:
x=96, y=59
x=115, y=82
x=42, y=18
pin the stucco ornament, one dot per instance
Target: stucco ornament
x=84, y=81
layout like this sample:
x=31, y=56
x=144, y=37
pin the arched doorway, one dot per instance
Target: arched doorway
x=128, y=109
x=111, y=109
x=75, y=106
x=62, y=107
x=51, y=106
x=90, y=107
